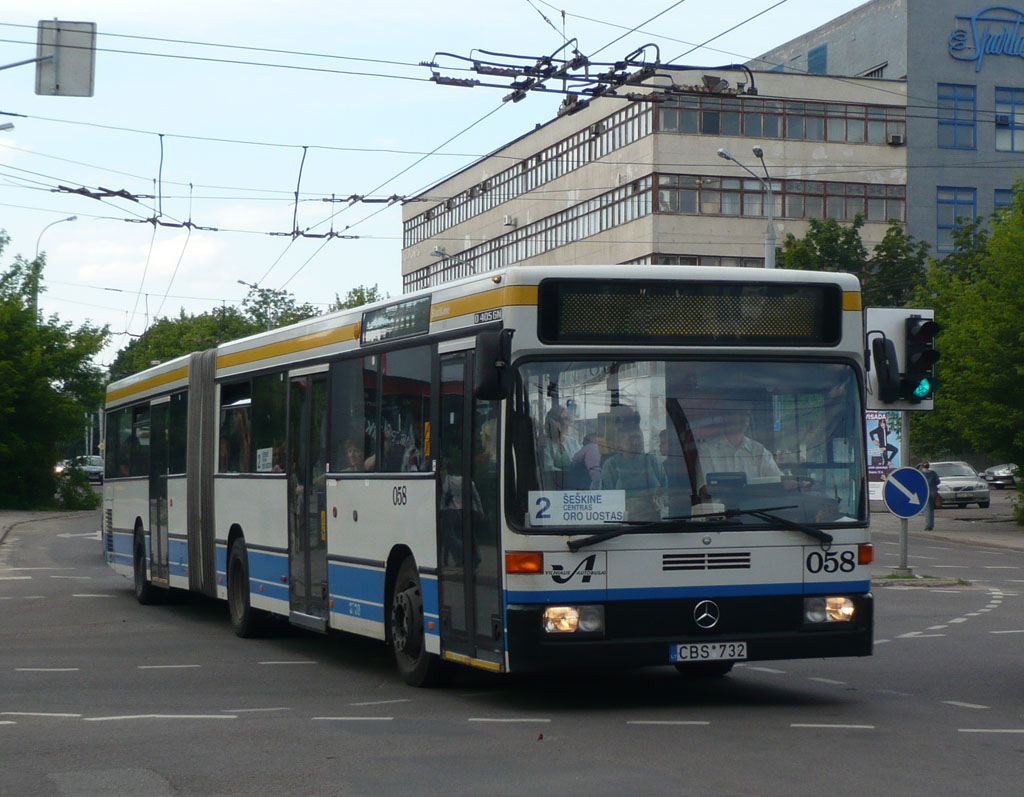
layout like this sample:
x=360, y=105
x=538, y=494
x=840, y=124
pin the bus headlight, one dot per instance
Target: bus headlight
x=573, y=619
x=828, y=609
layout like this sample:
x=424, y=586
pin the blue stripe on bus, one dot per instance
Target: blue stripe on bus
x=359, y=592
x=654, y=593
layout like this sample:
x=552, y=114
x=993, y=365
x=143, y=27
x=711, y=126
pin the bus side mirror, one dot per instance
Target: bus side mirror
x=492, y=371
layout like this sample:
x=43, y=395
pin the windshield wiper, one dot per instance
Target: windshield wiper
x=767, y=513
x=698, y=521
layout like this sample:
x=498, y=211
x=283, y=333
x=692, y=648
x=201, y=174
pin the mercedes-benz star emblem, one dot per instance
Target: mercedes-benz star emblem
x=706, y=614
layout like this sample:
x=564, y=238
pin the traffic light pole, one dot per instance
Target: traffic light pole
x=904, y=569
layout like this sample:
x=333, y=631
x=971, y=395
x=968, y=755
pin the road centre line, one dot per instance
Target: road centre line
x=90, y=595
x=961, y=704
x=835, y=726
x=37, y=714
x=255, y=710
x=990, y=730
x=281, y=663
x=46, y=669
x=162, y=717
x=829, y=681
x=1009, y=631
x=15, y=578
x=353, y=719
x=957, y=620
x=766, y=669
x=381, y=702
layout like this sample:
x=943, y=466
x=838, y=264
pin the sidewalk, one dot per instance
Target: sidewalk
x=9, y=518
x=998, y=530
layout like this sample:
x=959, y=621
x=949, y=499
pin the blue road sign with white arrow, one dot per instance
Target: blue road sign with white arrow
x=905, y=492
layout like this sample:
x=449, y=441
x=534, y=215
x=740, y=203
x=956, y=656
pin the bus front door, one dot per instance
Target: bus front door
x=307, y=501
x=467, y=521
x=158, y=467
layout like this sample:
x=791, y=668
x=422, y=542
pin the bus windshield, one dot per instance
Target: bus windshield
x=649, y=441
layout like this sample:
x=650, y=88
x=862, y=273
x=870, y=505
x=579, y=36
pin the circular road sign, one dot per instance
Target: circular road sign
x=905, y=492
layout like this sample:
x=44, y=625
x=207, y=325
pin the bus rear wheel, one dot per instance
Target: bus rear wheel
x=246, y=621
x=406, y=631
x=145, y=592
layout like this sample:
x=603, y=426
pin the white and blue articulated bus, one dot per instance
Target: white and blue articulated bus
x=532, y=469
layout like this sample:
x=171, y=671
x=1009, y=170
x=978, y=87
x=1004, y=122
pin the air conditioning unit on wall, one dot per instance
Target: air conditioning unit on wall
x=896, y=140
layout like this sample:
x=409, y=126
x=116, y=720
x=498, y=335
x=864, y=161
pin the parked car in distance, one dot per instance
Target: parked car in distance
x=1000, y=476
x=960, y=484
x=91, y=465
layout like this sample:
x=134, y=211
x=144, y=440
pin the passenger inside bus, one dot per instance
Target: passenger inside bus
x=640, y=474
x=558, y=446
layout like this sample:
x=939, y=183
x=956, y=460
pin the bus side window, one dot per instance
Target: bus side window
x=405, y=409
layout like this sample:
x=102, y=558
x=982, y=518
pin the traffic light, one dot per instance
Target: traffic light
x=887, y=369
x=917, y=382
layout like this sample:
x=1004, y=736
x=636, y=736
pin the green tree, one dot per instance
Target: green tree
x=895, y=270
x=358, y=296
x=168, y=338
x=828, y=246
x=270, y=308
x=48, y=381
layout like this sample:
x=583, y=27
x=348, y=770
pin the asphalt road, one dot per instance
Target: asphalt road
x=99, y=695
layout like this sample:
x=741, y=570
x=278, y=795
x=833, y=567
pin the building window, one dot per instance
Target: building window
x=957, y=116
x=1003, y=198
x=953, y=206
x=1010, y=120
x=817, y=60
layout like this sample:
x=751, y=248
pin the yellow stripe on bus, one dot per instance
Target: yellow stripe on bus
x=301, y=343
x=148, y=384
x=851, y=300
x=491, y=666
x=488, y=300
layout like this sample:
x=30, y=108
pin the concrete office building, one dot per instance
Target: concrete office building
x=963, y=65
x=634, y=182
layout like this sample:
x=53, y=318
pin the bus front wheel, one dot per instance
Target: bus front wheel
x=408, y=640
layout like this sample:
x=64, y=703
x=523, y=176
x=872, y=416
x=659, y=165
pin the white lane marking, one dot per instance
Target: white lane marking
x=46, y=669
x=15, y=578
x=828, y=681
x=963, y=705
x=8, y=722
x=990, y=730
x=168, y=666
x=381, y=702
x=353, y=719
x=917, y=635
x=1010, y=631
x=958, y=620
x=254, y=710
x=1001, y=567
x=882, y=641
x=767, y=669
x=90, y=595
x=279, y=663
x=74, y=578
x=508, y=719
x=949, y=567
x=162, y=717
x=20, y=569
x=35, y=714
x=938, y=627
x=23, y=598
x=828, y=725
x=667, y=722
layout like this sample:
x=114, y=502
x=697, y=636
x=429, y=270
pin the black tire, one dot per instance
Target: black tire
x=246, y=621
x=983, y=504
x=704, y=669
x=145, y=592
x=406, y=632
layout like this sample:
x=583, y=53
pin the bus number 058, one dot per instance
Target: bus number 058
x=399, y=497
x=830, y=562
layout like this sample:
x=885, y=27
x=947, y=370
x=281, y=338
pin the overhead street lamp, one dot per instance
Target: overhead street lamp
x=36, y=265
x=769, y=199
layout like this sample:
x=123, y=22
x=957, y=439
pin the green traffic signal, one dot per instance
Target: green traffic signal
x=918, y=382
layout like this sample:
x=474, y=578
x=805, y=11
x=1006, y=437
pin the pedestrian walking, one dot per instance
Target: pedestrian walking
x=933, y=480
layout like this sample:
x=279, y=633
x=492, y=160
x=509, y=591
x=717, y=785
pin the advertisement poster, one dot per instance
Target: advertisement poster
x=885, y=448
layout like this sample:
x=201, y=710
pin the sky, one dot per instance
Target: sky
x=213, y=114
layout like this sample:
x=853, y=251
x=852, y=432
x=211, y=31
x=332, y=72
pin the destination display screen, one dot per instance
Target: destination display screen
x=706, y=313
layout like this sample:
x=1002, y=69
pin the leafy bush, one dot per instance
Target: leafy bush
x=75, y=492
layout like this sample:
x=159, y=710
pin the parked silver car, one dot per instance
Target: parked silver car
x=1000, y=476
x=960, y=484
x=90, y=465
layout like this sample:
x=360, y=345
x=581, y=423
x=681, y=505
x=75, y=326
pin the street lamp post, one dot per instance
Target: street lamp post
x=36, y=265
x=766, y=183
